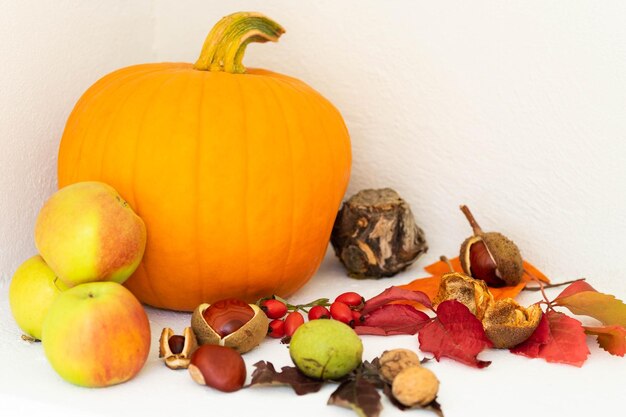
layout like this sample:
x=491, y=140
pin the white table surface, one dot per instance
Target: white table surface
x=511, y=386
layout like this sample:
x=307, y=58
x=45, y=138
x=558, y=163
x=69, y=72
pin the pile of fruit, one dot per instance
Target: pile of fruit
x=235, y=177
x=94, y=331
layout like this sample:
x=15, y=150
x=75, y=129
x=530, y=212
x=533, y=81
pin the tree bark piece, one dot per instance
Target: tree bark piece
x=375, y=234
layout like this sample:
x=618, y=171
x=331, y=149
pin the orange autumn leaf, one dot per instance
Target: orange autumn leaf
x=610, y=338
x=430, y=285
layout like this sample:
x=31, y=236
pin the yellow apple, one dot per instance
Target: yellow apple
x=86, y=232
x=32, y=290
x=96, y=334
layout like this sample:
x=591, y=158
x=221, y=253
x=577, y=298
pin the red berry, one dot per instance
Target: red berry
x=341, y=312
x=319, y=312
x=351, y=299
x=292, y=322
x=357, y=318
x=273, y=309
x=276, y=328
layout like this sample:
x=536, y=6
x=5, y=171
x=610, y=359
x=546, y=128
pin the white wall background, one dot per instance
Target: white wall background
x=517, y=109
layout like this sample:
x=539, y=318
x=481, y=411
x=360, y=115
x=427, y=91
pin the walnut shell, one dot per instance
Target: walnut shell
x=246, y=338
x=415, y=386
x=473, y=293
x=392, y=362
x=508, y=324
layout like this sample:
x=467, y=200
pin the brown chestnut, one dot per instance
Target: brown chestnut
x=230, y=322
x=218, y=367
x=176, y=343
x=490, y=256
x=227, y=316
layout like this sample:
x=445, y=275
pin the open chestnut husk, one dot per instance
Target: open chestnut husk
x=508, y=324
x=231, y=323
x=473, y=293
x=176, y=350
x=490, y=256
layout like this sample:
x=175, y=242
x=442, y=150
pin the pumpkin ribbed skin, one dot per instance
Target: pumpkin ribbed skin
x=238, y=177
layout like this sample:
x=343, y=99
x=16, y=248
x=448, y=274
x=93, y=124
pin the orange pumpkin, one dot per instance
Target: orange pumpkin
x=238, y=174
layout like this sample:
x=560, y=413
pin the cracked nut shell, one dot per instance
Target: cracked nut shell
x=244, y=339
x=473, y=293
x=180, y=359
x=508, y=324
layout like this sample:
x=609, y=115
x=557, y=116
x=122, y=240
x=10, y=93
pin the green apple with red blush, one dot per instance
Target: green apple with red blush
x=87, y=232
x=33, y=289
x=96, y=335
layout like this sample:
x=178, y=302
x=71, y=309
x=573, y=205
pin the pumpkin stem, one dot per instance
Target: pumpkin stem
x=225, y=45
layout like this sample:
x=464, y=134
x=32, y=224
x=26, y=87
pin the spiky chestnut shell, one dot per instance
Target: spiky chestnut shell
x=504, y=253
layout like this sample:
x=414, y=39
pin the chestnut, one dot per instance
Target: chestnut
x=230, y=322
x=490, y=256
x=218, y=367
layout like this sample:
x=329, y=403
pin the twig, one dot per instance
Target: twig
x=559, y=284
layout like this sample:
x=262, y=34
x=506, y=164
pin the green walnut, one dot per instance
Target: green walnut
x=325, y=349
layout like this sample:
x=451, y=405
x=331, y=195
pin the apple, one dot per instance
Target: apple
x=96, y=334
x=87, y=232
x=32, y=290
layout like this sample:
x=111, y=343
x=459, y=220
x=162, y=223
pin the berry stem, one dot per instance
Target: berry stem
x=472, y=221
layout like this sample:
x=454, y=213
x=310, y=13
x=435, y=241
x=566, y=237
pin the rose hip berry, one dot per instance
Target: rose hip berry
x=351, y=299
x=276, y=328
x=357, y=318
x=319, y=312
x=292, y=322
x=274, y=309
x=341, y=312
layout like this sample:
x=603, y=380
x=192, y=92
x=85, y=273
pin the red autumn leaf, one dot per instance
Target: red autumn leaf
x=604, y=307
x=575, y=288
x=456, y=334
x=558, y=338
x=392, y=319
x=395, y=294
x=567, y=343
x=610, y=338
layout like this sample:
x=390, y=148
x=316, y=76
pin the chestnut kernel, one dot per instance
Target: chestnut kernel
x=490, y=256
x=483, y=266
x=176, y=349
x=227, y=316
x=231, y=323
x=218, y=367
x=176, y=343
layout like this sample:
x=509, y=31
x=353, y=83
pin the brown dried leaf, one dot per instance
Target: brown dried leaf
x=266, y=374
x=358, y=394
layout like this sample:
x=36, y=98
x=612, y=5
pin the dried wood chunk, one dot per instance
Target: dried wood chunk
x=375, y=234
